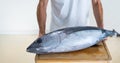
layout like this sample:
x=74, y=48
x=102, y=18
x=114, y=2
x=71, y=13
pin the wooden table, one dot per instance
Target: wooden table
x=95, y=54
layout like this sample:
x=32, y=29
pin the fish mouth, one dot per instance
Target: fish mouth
x=31, y=50
x=36, y=50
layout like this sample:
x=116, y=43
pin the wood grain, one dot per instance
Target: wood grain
x=97, y=53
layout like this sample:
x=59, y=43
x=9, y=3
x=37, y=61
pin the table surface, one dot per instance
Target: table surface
x=96, y=52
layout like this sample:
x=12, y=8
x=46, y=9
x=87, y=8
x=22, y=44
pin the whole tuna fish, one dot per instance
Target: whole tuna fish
x=69, y=39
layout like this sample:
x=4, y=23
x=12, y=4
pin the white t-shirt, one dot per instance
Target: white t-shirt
x=69, y=13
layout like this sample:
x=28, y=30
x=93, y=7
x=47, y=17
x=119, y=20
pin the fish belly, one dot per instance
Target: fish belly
x=78, y=40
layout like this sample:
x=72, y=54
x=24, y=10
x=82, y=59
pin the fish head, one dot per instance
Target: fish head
x=35, y=47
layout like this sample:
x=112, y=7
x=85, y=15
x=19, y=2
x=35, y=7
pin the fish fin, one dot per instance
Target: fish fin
x=117, y=34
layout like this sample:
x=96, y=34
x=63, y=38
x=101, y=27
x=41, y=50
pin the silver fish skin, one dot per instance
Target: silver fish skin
x=69, y=39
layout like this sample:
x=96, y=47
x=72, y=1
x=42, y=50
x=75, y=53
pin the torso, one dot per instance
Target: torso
x=69, y=13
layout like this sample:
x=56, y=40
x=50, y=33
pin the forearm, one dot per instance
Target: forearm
x=41, y=17
x=98, y=13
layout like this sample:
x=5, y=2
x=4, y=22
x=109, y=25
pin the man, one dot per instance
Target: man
x=68, y=13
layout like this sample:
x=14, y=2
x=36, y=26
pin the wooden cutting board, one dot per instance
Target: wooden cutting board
x=95, y=54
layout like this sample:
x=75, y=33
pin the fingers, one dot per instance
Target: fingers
x=40, y=35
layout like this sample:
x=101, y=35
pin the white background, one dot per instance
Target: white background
x=19, y=16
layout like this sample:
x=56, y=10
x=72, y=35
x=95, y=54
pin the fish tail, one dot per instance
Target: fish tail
x=116, y=33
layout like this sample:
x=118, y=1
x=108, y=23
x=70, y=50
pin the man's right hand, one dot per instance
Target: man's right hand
x=40, y=35
x=41, y=16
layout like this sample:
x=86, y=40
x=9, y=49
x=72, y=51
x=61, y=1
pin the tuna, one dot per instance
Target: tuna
x=69, y=39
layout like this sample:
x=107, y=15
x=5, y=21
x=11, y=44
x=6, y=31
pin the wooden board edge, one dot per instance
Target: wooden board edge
x=69, y=61
x=108, y=52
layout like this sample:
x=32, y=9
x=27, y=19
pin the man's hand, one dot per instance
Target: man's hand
x=40, y=35
x=41, y=16
x=98, y=13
